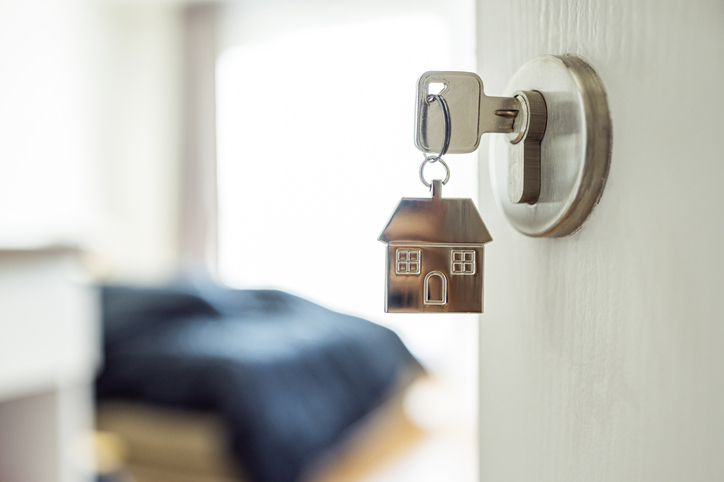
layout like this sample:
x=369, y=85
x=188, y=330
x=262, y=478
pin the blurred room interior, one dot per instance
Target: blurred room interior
x=185, y=150
x=192, y=286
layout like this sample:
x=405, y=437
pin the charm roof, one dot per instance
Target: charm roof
x=436, y=220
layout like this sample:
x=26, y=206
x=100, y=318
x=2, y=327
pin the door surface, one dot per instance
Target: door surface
x=602, y=353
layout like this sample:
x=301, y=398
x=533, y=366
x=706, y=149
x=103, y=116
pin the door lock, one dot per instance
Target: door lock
x=472, y=114
x=550, y=167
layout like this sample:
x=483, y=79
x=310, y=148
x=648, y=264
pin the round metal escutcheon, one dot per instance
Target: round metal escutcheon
x=575, y=150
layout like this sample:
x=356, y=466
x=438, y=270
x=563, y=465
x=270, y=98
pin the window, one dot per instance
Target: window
x=408, y=261
x=305, y=91
x=288, y=158
x=463, y=262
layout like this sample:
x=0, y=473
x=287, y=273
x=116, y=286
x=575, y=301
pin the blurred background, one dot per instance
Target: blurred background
x=191, y=286
x=239, y=145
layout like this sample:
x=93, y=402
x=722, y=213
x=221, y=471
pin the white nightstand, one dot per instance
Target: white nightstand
x=49, y=353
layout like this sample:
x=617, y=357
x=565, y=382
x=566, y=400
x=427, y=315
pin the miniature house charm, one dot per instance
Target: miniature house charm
x=435, y=253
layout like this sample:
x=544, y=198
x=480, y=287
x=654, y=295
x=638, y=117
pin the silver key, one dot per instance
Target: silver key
x=472, y=113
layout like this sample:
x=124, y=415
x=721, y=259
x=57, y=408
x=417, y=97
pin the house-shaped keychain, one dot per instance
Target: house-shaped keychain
x=435, y=253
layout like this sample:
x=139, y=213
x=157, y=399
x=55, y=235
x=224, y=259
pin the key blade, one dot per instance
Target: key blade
x=497, y=114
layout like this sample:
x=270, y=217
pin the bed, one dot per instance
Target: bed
x=216, y=384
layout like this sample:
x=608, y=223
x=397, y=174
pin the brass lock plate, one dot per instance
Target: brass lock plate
x=575, y=150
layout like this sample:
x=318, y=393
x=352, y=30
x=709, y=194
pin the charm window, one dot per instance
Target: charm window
x=407, y=261
x=463, y=262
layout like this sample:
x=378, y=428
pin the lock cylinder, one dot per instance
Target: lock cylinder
x=524, y=168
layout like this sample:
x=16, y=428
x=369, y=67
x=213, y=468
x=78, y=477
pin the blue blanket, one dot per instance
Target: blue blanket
x=288, y=376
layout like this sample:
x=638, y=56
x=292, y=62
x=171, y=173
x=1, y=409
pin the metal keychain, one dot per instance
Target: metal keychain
x=435, y=246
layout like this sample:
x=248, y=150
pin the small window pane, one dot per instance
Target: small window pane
x=463, y=262
x=408, y=261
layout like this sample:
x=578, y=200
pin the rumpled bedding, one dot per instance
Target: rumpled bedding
x=289, y=377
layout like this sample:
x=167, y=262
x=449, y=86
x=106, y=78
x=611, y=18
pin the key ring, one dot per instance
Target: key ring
x=447, y=129
x=445, y=140
x=432, y=159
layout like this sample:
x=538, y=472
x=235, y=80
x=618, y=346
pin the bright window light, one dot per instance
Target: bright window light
x=315, y=149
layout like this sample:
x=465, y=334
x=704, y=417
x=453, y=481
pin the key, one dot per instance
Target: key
x=472, y=113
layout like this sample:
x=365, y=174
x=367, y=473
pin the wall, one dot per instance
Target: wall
x=91, y=109
x=45, y=134
x=138, y=67
x=601, y=353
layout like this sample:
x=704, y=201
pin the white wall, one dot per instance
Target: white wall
x=45, y=133
x=139, y=75
x=91, y=104
x=601, y=353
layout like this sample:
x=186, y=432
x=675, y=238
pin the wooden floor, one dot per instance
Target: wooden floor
x=427, y=433
x=424, y=436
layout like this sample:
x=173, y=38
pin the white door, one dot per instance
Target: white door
x=602, y=354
